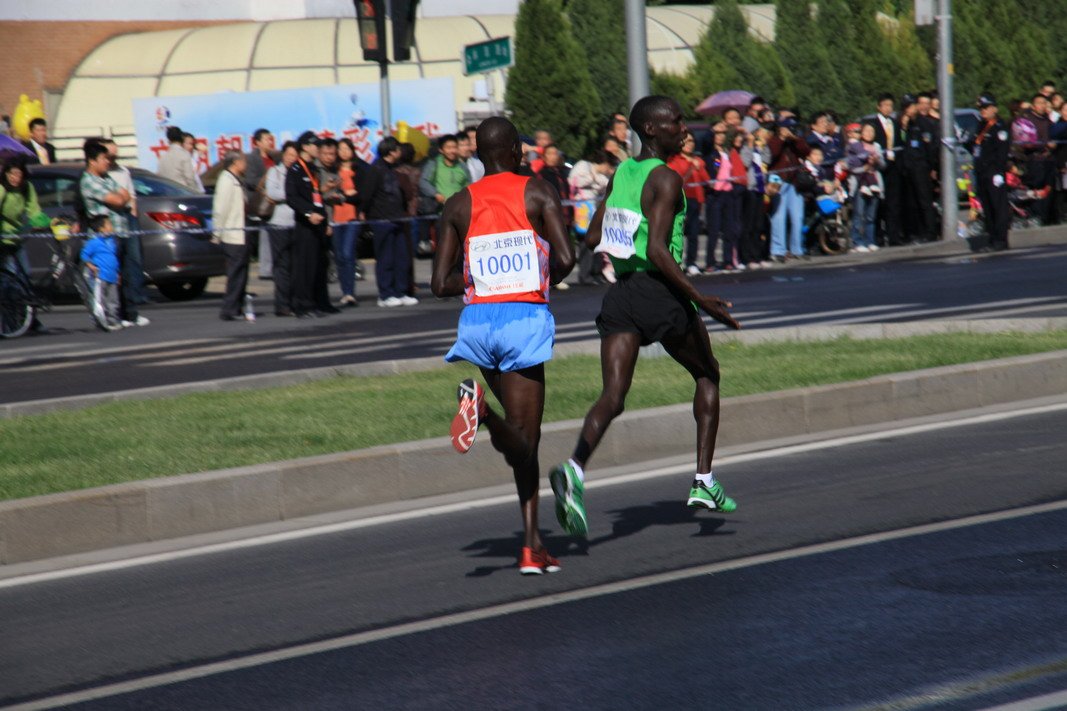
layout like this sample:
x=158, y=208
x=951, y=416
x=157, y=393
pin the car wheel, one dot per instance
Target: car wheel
x=182, y=290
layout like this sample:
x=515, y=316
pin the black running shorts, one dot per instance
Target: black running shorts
x=645, y=303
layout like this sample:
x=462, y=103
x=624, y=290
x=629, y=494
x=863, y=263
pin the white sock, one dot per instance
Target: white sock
x=577, y=469
x=707, y=479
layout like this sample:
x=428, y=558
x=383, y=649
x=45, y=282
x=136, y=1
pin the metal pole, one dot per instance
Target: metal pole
x=636, y=58
x=383, y=81
x=490, y=89
x=945, y=71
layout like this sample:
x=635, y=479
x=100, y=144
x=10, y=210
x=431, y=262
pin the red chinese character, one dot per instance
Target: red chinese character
x=326, y=133
x=160, y=148
x=224, y=144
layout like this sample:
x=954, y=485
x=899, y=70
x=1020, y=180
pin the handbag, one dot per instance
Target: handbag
x=259, y=205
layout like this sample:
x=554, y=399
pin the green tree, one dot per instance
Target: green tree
x=838, y=30
x=681, y=87
x=806, y=58
x=601, y=28
x=755, y=65
x=550, y=86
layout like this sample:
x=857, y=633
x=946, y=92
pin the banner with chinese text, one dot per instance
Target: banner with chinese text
x=224, y=121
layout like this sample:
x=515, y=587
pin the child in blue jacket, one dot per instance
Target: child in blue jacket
x=100, y=256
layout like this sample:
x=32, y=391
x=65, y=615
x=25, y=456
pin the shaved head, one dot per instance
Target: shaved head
x=498, y=142
x=649, y=109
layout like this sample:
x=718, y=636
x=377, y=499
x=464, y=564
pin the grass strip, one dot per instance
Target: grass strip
x=130, y=440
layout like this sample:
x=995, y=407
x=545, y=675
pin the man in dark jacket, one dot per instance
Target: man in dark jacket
x=918, y=159
x=311, y=233
x=43, y=151
x=1034, y=153
x=990, y=148
x=887, y=135
x=383, y=200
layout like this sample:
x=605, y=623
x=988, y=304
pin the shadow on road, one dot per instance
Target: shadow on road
x=627, y=522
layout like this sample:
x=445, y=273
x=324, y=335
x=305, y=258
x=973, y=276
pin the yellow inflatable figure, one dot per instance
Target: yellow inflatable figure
x=405, y=133
x=25, y=112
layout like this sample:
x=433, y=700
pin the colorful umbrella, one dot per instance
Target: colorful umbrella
x=718, y=102
x=9, y=147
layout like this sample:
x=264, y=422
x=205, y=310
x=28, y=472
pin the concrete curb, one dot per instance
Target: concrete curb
x=152, y=510
x=589, y=347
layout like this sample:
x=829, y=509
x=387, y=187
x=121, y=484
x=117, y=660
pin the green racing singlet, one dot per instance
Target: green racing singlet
x=624, y=235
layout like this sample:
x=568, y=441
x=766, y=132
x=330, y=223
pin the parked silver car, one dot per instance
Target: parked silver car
x=178, y=262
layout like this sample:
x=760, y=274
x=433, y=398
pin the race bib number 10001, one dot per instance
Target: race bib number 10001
x=504, y=263
x=617, y=234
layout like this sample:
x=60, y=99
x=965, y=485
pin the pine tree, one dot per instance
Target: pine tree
x=837, y=30
x=756, y=65
x=550, y=86
x=805, y=57
x=600, y=28
x=680, y=87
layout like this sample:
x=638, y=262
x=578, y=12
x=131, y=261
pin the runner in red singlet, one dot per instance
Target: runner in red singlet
x=501, y=243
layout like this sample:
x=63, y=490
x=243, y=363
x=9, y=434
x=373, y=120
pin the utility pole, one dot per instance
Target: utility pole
x=383, y=74
x=945, y=72
x=636, y=58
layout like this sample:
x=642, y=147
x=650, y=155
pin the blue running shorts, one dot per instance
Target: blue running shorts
x=504, y=336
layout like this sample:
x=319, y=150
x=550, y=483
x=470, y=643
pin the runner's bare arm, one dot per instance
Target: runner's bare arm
x=546, y=216
x=593, y=234
x=660, y=200
x=447, y=278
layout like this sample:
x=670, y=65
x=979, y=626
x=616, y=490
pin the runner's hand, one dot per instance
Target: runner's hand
x=717, y=309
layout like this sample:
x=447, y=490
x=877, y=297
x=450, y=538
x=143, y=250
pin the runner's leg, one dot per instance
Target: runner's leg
x=693, y=352
x=517, y=435
x=618, y=358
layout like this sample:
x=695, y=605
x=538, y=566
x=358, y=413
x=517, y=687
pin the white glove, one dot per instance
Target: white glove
x=998, y=180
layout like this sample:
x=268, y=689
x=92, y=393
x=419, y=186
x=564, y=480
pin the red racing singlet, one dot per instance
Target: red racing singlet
x=504, y=259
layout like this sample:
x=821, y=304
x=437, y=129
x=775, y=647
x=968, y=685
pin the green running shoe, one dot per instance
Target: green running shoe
x=568, y=488
x=713, y=498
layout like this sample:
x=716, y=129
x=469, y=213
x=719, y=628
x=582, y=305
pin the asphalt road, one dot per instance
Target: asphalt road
x=963, y=616
x=186, y=342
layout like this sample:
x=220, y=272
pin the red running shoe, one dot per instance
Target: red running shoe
x=471, y=412
x=533, y=562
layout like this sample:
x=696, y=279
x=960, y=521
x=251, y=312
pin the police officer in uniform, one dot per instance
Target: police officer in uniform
x=917, y=162
x=303, y=193
x=990, y=148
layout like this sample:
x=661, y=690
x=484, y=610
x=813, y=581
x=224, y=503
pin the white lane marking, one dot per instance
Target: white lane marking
x=501, y=610
x=862, y=310
x=979, y=309
x=1055, y=700
x=998, y=313
x=341, y=526
x=66, y=351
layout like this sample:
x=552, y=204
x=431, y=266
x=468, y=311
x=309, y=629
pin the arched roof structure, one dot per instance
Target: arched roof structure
x=256, y=56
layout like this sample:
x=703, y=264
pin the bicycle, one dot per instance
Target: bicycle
x=21, y=300
x=829, y=226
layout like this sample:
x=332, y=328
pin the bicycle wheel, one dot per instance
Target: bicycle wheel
x=833, y=237
x=16, y=309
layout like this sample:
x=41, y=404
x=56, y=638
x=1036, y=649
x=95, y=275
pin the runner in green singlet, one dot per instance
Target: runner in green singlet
x=640, y=227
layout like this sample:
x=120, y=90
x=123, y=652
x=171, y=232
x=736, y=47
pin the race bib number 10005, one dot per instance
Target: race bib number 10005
x=504, y=263
x=617, y=234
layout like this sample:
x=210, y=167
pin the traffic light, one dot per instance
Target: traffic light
x=403, y=14
x=370, y=17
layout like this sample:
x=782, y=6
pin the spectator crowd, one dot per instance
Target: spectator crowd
x=757, y=182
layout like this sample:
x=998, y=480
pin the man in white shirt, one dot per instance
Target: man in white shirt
x=228, y=214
